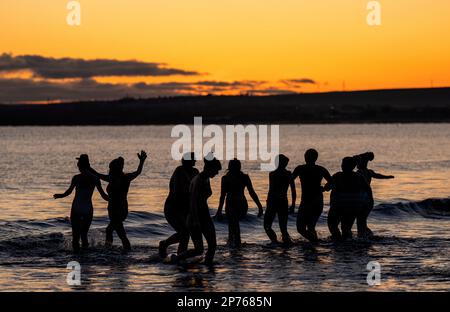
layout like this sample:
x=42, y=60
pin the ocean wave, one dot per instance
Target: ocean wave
x=141, y=223
x=52, y=237
x=437, y=208
x=54, y=249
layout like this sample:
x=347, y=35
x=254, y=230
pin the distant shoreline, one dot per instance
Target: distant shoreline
x=354, y=107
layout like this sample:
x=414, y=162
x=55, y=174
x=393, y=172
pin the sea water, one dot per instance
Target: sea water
x=410, y=220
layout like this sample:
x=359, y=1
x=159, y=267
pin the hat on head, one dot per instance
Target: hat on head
x=84, y=158
x=83, y=162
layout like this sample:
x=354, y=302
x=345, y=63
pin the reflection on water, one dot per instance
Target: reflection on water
x=38, y=161
x=406, y=264
x=412, y=243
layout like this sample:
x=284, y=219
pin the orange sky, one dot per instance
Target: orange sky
x=328, y=41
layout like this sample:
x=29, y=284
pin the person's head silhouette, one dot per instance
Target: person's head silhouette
x=188, y=159
x=212, y=165
x=281, y=162
x=83, y=162
x=348, y=164
x=363, y=159
x=116, y=166
x=120, y=164
x=234, y=166
x=311, y=156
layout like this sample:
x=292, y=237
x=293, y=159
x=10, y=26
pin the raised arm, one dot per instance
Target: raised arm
x=293, y=192
x=68, y=192
x=99, y=187
x=142, y=156
x=223, y=194
x=254, y=196
x=97, y=175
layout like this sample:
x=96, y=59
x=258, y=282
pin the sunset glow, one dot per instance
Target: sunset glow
x=275, y=45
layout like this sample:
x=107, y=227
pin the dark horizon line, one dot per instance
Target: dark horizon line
x=428, y=105
x=248, y=94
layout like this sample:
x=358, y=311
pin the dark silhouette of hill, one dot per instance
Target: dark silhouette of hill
x=403, y=105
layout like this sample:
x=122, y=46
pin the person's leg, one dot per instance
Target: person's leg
x=209, y=231
x=234, y=235
x=177, y=225
x=164, y=244
x=184, y=241
x=269, y=216
x=316, y=212
x=361, y=221
x=173, y=211
x=348, y=219
x=197, y=239
x=120, y=230
x=173, y=239
x=333, y=222
x=283, y=214
x=85, y=225
x=109, y=233
x=302, y=220
x=238, y=234
x=243, y=210
x=230, y=241
x=76, y=233
x=235, y=228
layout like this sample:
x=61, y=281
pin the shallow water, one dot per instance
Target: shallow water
x=412, y=242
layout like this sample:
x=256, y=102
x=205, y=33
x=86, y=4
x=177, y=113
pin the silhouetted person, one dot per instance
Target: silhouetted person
x=233, y=196
x=199, y=220
x=119, y=184
x=347, y=200
x=82, y=210
x=277, y=202
x=176, y=207
x=368, y=174
x=311, y=206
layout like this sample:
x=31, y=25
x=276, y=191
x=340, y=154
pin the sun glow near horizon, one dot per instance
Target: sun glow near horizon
x=268, y=42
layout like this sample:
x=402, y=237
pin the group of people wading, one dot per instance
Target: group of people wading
x=186, y=207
